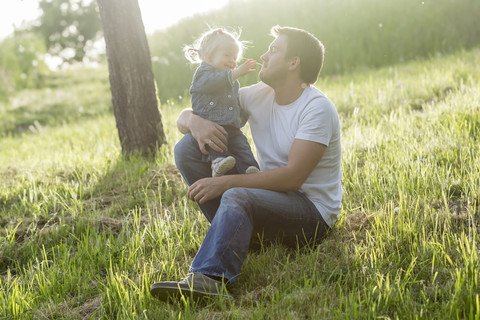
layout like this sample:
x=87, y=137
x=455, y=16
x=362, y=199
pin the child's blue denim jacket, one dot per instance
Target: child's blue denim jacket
x=215, y=96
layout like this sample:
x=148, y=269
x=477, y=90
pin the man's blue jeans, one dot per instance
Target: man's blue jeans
x=241, y=214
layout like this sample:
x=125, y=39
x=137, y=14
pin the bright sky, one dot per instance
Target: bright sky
x=156, y=14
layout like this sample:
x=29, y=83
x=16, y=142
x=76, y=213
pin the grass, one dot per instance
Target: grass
x=84, y=232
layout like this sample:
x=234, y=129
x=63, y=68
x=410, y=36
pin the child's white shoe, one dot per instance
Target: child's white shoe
x=220, y=166
x=252, y=169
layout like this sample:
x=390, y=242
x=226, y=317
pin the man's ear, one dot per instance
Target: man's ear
x=294, y=63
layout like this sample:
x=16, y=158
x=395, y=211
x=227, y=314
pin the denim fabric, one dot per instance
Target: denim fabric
x=241, y=214
x=238, y=147
x=215, y=96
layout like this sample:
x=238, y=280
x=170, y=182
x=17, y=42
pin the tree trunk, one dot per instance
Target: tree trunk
x=132, y=83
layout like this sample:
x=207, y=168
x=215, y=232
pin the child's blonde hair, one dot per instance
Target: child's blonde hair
x=203, y=48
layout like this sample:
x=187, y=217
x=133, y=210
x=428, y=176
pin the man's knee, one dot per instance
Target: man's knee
x=234, y=192
x=184, y=150
x=236, y=195
x=235, y=205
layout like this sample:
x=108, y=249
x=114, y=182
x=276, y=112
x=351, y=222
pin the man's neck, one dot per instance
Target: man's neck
x=288, y=93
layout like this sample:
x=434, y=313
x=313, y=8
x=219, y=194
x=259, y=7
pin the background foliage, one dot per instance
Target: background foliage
x=21, y=63
x=356, y=34
x=69, y=27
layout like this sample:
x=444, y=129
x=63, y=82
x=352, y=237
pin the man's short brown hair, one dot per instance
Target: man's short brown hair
x=307, y=47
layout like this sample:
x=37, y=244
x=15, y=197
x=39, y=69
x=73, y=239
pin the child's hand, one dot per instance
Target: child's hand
x=246, y=67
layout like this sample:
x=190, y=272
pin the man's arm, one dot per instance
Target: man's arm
x=303, y=157
x=204, y=131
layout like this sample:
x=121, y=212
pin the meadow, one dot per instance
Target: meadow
x=84, y=232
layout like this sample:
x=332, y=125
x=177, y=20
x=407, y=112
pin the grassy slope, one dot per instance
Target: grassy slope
x=83, y=233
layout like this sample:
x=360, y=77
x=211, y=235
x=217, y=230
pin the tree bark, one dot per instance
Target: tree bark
x=132, y=83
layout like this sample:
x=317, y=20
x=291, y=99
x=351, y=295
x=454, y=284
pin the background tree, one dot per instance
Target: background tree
x=69, y=27
x=132, y=82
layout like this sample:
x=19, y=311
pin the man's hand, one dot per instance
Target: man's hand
x=204, y=131
x=208, y=133
x=207, y=189
x=244, y=68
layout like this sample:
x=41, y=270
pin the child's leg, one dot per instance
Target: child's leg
x=221, y=162
x=240, y=149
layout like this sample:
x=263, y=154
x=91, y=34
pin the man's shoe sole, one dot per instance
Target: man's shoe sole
x=174, y=291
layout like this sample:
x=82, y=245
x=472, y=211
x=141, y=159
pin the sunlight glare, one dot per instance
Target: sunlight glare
x=158, y=15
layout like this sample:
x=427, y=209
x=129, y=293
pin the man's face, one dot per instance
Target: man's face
x=275, y=66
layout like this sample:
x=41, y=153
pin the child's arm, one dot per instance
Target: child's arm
x=244, y=68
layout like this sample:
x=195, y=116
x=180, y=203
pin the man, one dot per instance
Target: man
x=296, y=197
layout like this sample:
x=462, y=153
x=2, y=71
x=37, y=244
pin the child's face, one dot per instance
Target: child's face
x=225, y=57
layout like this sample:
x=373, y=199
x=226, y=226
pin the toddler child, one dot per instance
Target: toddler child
x=214, y=93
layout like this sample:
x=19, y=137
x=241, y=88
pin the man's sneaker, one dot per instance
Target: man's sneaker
x=252, y=169
x=195, y=285
x=220, y=166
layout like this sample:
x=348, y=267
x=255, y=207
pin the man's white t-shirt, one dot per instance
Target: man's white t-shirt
x=311, y=117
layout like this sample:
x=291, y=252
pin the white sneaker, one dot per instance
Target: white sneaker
x=220, y=166
x=252, y=169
